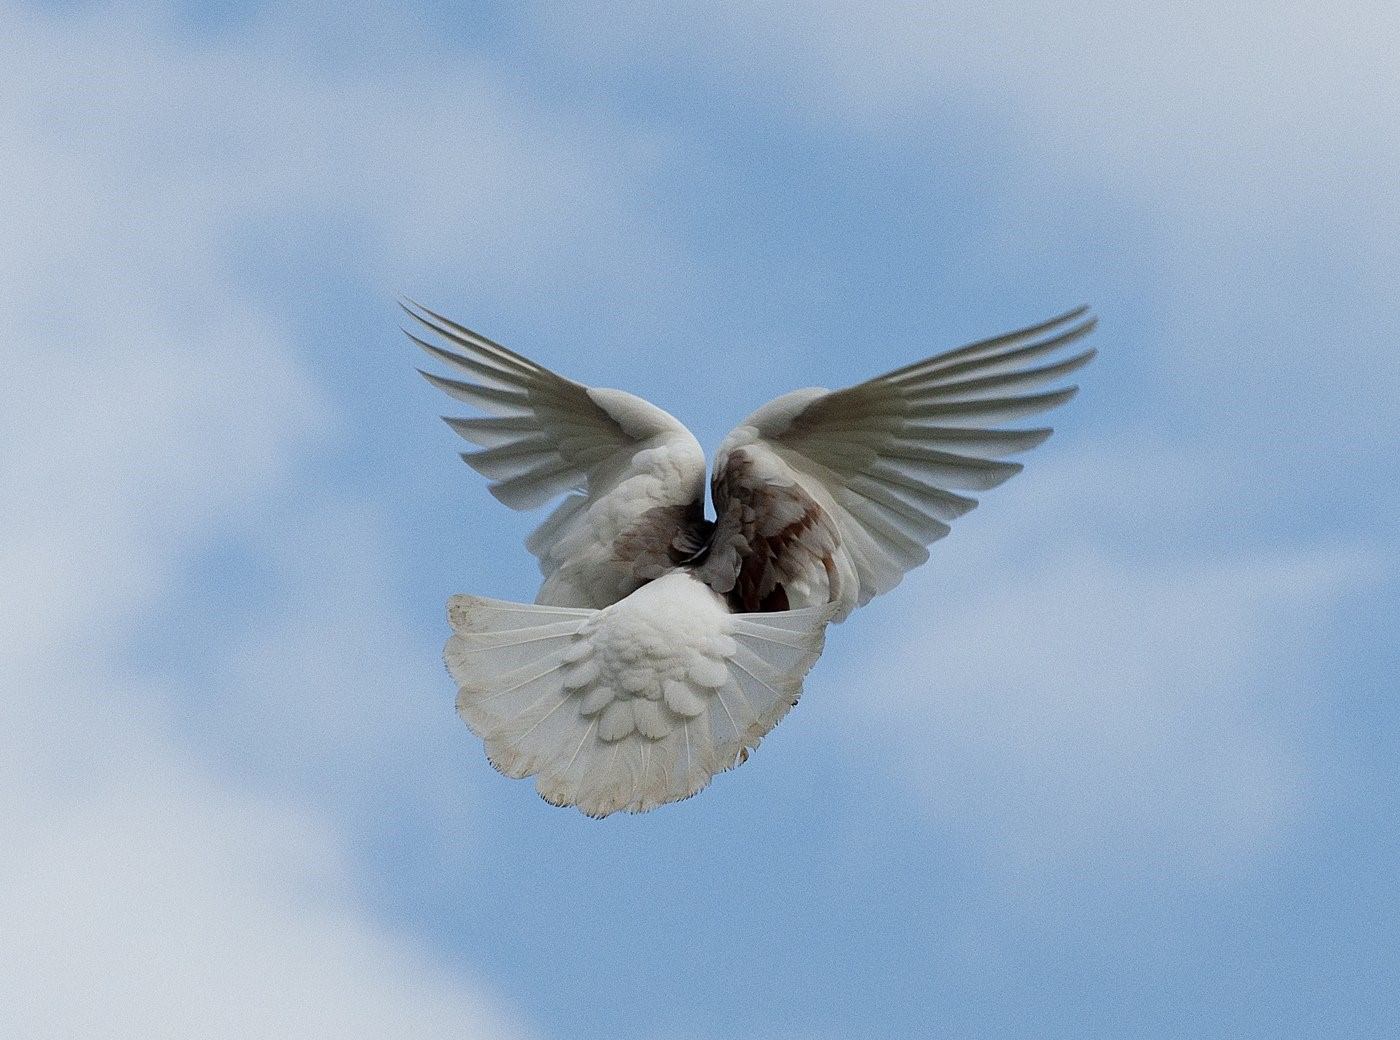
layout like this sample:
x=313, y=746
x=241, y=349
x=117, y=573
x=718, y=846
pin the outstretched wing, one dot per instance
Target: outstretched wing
x=836, y=494
x=632, y=476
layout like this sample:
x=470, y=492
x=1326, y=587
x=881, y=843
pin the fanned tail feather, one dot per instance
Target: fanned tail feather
x=633, y=706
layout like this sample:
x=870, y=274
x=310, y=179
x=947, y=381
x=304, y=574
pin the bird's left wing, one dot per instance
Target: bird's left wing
x=835, y=494
x=633, y=477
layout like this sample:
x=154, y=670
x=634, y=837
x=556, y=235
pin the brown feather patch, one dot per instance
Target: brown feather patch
x=771, y=540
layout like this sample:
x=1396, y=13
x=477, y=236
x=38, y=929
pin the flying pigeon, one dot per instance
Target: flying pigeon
x=663, y=645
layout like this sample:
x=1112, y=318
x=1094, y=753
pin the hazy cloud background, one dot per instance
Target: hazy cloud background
x=1120, y=759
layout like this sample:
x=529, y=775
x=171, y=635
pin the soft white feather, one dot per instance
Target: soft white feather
x=632, y=706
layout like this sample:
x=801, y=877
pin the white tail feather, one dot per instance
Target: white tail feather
x=632, y=706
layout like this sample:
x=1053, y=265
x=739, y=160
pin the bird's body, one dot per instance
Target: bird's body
x=663, y=645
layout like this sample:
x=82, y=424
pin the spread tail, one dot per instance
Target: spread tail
x=632, y=706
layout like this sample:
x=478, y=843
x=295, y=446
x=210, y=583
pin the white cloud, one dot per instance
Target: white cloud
x=152, y=402
x=1241, y=148
x=152, y=399
x=1207, y=92
x=1071, y=701
x=329, y=690
x=420, y=153
x=144, y=899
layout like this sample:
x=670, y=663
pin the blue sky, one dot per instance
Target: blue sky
x=1118, y=761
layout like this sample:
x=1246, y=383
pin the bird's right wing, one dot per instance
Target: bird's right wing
x=835, y=494
x=632, y=476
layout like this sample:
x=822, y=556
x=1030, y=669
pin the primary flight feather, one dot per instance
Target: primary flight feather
x=663, y=645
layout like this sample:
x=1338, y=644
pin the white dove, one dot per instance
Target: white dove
x=663, y=646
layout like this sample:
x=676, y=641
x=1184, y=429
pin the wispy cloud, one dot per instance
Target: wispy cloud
x=1075, y=688
x=1097, y=712
x=156, y=402
x=1229, y=158
x=1110, y=670
x=143, y=897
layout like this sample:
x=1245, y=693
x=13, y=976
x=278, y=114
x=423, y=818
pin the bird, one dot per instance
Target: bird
x=664, y=645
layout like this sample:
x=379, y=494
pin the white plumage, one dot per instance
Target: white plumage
x=663, y=646
x=631, y=706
